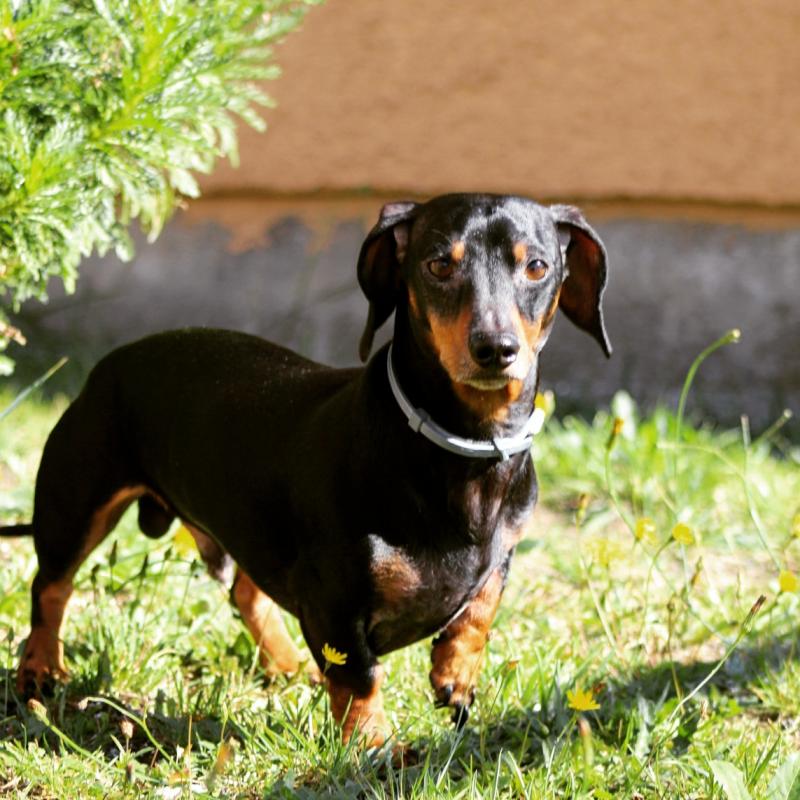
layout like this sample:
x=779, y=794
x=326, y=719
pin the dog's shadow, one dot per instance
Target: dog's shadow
x=105, y=724
x=532, y=736
x=528, y=734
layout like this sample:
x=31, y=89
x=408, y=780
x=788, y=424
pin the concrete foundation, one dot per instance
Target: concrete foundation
x=674, y=288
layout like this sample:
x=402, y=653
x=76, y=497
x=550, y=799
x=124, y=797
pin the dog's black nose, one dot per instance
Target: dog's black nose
x=493, y=349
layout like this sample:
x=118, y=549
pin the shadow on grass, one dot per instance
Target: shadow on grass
x=103, y=723
x=745, y=666
x=531, y=737
x=528, y=735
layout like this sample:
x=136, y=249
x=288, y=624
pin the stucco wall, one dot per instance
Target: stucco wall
x=675, y=125
x=587, y=99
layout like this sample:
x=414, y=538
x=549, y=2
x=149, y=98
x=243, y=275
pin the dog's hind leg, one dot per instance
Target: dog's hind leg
x=83, y=487
x=64, y=538
x=277, y=651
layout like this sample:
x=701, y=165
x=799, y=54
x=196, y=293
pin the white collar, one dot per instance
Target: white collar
x=500, y=447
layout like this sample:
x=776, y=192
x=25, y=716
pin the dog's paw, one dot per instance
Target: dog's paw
x=458, y=698
x=361, y=716
x=41, y=667
x=36, y=680
x=400, y=756
x=454, y=675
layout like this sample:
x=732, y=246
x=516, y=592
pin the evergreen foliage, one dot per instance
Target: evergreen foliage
x=107, y=107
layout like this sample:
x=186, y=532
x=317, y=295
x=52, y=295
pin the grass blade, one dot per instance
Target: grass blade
x=730, y=779
x=33, y=387
x=785, y=784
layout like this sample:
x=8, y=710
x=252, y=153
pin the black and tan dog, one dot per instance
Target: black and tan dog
x=379, y=505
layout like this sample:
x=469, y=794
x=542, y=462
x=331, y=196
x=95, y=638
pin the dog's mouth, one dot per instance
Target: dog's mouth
x=493, y=380
x=489, y=393
x=468, y=375
x=489, y=384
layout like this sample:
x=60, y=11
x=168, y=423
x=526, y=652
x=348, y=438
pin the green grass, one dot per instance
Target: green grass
x=166, y=698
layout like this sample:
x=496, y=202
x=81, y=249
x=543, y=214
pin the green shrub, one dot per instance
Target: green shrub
x=106, y=110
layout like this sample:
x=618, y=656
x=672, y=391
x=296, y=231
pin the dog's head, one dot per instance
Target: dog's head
x=483, y=276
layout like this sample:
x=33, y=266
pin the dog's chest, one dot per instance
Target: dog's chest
x=438, y=549
x=414, y=595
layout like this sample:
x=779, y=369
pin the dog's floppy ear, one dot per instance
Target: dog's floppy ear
x=582, y=291
x=379, y=267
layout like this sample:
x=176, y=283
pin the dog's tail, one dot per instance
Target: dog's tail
x=23, y=529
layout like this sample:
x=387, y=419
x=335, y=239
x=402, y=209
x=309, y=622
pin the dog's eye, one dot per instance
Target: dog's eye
x=536, y=270
x=442, y=268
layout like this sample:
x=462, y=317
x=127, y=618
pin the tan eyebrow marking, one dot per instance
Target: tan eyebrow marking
x=520, y=252
x=457, y=250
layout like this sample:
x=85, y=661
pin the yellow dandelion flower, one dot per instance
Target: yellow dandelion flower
x=788, y=581
x=603, y=551
x=583, y=505
x=616, y=430
x=683, y=533
x=183, y=542
x=579, y=700
x=645, y=530
x=333, y=656
x=546, y=401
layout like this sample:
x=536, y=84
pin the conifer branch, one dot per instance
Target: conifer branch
x=107, y=110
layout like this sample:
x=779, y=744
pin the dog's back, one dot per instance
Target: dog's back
x=197, y=416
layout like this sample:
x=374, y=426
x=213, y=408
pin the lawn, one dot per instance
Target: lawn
x=638, y=590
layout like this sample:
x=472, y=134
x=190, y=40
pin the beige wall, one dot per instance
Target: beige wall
x=646, y=113
x=590, y=99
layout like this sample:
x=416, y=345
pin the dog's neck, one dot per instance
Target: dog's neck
x=462, y=410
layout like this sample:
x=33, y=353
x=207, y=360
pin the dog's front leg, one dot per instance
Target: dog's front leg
x=458, y=650
x=360, y=709
x=352, y=675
